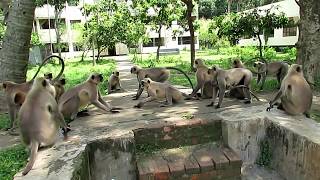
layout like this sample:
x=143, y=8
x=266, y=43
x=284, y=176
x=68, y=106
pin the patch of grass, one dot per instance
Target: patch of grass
x=265, y=155
x=11, y=161
x=147, y=149
x=4, y=121
x=187, y=116
x=76, y=71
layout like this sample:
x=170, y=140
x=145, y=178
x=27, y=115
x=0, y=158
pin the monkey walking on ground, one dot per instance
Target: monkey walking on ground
x=235, y=77
x=159, y=91
x=203, y=81
x=295, y=93
x=82, y=95
x=114, y=82
x=39, y=119
x=14, y=90
x=158, y=74
x=278, y=69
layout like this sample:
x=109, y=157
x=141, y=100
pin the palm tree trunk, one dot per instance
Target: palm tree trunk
x=14, y=54
x=309, y=39
x=57, y=13
x=159, y=42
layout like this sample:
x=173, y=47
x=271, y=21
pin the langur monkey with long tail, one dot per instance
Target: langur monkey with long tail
x=295, y=93
x=158, y=74
x=40, y=119
x=15, y=92
x=159, y=91
x=83, y=95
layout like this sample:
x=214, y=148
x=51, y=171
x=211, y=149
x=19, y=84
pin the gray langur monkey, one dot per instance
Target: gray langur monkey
x=158, y=74
x=203, y=80
x=237, y=63
x=57, y=83
x=278, y=69
x=39, y=119
x=224, y=79
x=114, y=82
x=295, y=93
x=159, y=91
x=82, y=95
x=14, y=92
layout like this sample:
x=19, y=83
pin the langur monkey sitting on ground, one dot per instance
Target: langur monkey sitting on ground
x=158, y=74
x=58, y=84
x=158, y=91
x=39, y=119
x=15, y=92
x=203, y=80
x=278, y=69
x=295, y=93
x=234, y=78
x=82, y=95
x=114, y=82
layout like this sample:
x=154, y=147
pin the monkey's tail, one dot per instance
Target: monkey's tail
x=177, y=69
x=33, y=155
x=45, y=61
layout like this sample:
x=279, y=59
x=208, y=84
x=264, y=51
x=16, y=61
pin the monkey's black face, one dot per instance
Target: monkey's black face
x=133, y=70
x=100, y=77
x=117, y=73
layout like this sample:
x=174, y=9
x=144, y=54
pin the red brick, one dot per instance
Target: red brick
x=204, y=159
x=161, y=170
x=233, y=157
x=191, y=165
x=145, y=169
x=219, y=159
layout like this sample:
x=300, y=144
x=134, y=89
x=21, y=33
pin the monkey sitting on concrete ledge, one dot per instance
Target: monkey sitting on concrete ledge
x=295, y=93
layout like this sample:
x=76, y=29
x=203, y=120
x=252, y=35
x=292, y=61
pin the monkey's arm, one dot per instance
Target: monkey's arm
x=139, y=92
x=195, y=90
x=272, y=102
x=222, y=90
x=152, y=97
x=111, y=109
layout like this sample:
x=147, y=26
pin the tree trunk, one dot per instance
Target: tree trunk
x=191, y=29
x=229, y=6
x=309, y=39
x=93, y=54
x=260, y=45
x=159, y=42
x=57, y=13
x=14, y=54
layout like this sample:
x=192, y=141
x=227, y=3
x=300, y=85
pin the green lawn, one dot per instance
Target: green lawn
x=11, y=161
x=76, y=71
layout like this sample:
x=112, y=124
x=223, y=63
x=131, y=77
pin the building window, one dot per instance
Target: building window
x=64, y=47
x=186, y=40
x=77, y=47
x=153, y=42
x=49, y=24
x=291, y=31
x=46, y=24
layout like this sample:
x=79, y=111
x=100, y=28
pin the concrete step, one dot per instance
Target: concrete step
x=203, y=161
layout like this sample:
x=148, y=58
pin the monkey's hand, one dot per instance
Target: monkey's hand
x=270, y=107
x=210, y=105
x=134, y=98
x=66, y=130
x=114, y=110
x=217, y=106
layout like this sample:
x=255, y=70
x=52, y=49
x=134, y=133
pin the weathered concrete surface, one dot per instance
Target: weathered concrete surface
x=243, y=126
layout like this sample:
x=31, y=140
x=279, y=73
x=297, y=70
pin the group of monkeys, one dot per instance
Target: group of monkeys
x=41, y=105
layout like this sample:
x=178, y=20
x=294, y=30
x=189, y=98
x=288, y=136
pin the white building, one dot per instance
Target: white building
x=282, y=36
x=44, y=25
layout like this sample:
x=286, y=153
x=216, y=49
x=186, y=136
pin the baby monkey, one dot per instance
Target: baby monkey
x=158, y=91
x=114, y=82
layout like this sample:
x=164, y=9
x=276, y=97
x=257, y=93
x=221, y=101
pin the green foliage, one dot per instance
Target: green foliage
x=250, y=24
x=11, y=161
x=2, y=27
x=208, y=37
x=35, y=39
x=4, y=121
x=265, y=155
x=270, y=53
x=113, y=23
x=77, y=72
x=207, y=8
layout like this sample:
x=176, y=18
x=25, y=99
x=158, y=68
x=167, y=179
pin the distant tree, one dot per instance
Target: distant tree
x=221, y=7
x=111, y=23
x=207, y=8
x=207, y=33
x=250, y=24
